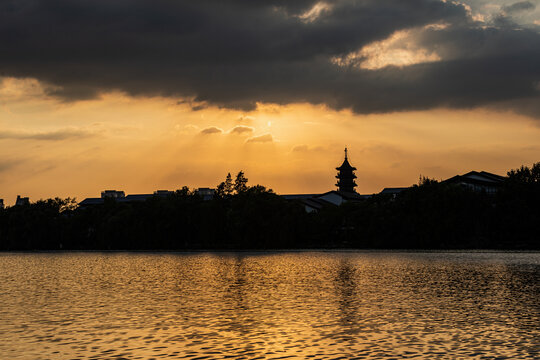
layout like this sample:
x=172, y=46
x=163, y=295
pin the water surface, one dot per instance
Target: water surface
x=320, y=305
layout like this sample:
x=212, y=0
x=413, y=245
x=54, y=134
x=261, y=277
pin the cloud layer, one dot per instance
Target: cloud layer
x=56, y=135
x=241, y=130
x=240, y=52
x=266, y=138
x=211, y=130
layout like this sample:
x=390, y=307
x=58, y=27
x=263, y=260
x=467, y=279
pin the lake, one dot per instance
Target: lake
x=316, y=305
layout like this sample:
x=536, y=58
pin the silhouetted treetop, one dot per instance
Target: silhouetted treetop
x=225, y=188
x=525, y=174
x=240, y=183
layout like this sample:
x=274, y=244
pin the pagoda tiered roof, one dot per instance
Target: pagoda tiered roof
x=346, y=166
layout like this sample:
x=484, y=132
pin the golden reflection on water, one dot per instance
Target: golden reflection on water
x=320, y=305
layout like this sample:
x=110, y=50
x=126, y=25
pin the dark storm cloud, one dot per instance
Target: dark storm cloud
x=518, y=7
x=235, y=53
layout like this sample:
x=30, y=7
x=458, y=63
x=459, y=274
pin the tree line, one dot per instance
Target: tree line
x=429, y=215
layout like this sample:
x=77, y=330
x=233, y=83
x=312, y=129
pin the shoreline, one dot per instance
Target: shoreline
x=307, y=250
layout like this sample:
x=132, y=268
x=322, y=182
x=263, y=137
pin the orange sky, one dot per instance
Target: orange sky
x=51, y=148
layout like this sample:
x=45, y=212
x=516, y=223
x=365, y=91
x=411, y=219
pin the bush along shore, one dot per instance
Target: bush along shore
x=430, y=215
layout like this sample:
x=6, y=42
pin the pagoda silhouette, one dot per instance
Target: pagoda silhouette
x=346, y=176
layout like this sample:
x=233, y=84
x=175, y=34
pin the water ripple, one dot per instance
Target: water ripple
x=311, y=305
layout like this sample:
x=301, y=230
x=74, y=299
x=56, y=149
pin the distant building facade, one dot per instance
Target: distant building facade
x=315, y=202
x=478, y=181
x=22, y=201
x=394, y=191
x=206, y=193
x=120, y=196
x=112, y=194
x=474, y=180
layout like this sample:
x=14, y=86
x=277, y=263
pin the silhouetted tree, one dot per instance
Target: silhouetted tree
x=225, y=188
x=525, y=175
x=240, y=183
x=424, y=180
x=259, y=189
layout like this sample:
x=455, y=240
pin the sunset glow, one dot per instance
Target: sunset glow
x=52, y=148
x=432, y=88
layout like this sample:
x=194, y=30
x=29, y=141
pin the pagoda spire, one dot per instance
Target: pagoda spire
x=346, y=175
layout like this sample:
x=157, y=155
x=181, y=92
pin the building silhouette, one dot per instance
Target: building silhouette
x=121, y=197
x=22, y=201
x=346, y=192
x=113, y=194
x=206, y=193
x=478, y=181
x=346, y=176
x=393, y=191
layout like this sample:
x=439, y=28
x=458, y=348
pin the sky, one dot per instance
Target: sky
x=144, y=95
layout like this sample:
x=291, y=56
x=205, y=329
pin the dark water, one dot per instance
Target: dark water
x=316, y=305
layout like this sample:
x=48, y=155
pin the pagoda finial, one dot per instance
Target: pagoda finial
x=345, y=153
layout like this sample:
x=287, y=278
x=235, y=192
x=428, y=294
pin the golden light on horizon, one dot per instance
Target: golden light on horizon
x=139, y=144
